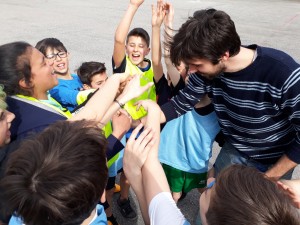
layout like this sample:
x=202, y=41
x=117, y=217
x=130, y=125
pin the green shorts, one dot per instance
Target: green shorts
x=181, y=181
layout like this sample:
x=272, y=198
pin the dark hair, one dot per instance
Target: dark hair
x=243, y=195
x=88, y=69
x=14, y=66
x=208, y=34
x=139, y=32
x=59, y=176
x=52, y=43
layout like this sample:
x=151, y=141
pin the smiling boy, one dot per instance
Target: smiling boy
x=69, y=85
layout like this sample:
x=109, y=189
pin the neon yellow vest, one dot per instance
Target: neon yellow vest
x=146, y=77
x=66, y=113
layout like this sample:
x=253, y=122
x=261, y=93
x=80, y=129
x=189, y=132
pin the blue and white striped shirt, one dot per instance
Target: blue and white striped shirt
x=258, y=107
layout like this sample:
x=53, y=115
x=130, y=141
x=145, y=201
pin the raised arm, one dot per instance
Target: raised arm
x=172, y=71
x=122, y=30
x=158, y=14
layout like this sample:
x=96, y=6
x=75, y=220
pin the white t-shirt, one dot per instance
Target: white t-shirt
x=163, y=211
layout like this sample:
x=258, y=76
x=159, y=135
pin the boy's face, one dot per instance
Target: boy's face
x=60, y=60
x=98, y=80
x=136, y=49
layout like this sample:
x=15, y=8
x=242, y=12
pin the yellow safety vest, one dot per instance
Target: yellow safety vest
x=146, y=77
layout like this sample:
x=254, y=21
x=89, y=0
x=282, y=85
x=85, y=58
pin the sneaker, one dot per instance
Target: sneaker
x=111, y=220
x=126, y=209
x=117, y=188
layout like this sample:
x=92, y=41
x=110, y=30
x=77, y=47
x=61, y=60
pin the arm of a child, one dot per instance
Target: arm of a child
x=127, y=94
x=158, y=14
x=168, y=24
x=122, y=30
x=102, y=100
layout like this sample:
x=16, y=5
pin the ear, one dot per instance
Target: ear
x=86, y=87
x=22, y=84
x=225, y=56
x=147, y=51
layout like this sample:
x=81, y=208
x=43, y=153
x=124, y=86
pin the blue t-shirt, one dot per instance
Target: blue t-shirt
x=66, y=92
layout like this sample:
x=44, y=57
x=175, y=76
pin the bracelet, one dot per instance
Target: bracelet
x=120, y=104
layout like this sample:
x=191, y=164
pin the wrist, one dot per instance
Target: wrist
x=119, y=103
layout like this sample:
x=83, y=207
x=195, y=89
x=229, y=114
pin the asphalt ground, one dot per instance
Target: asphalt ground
x=87, y=30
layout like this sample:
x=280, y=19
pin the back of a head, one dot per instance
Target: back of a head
x=208, y=34
x=57, y=177
x=139, y=32
x=243, y=195
x=52, y=43
x=14, y=66
x=88, y=69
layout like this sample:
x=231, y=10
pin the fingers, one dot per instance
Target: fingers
x=135, y=133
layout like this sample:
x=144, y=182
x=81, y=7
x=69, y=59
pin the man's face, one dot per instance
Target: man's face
x=205, y=68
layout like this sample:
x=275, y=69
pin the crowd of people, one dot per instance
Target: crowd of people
x=64, y=137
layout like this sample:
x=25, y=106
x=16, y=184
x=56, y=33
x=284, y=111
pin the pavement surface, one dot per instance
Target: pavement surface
x=87, y=30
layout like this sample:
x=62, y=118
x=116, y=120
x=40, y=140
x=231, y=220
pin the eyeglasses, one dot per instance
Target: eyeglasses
x=53, y=56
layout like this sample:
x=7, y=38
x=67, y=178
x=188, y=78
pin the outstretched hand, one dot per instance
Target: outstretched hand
x=133, y=89
x=158, y=13
x=136, y=151
x=168, y=20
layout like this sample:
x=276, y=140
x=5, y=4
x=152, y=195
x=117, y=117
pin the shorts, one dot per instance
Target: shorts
x=181, y=181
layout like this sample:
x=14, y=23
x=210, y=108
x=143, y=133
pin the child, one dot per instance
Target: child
x=69, y=85
x=92, y=75
x=133, y=60
x=52, y=180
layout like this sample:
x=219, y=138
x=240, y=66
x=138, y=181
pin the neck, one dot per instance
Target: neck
x=66, y=76
x=240, y=61
x=40, y=96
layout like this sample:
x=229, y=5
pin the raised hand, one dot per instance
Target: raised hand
x=136, y=2
x=158, y=13
x=168, y=20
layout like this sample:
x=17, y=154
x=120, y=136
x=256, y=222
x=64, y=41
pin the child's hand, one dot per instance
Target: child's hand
x=133, y=89
x=123, y=85
x=136, y=151
x=121, y=123
x=158, y=13
x=168, y=20
x=136, y=2
x=292, y=189
x=147, y=104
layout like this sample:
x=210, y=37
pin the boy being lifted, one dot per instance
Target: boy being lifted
x=133, y=60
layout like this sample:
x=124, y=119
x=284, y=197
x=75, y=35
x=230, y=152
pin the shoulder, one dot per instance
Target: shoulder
x=277, y=58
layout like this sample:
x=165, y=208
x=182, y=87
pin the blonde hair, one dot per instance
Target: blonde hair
x=3, y=104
